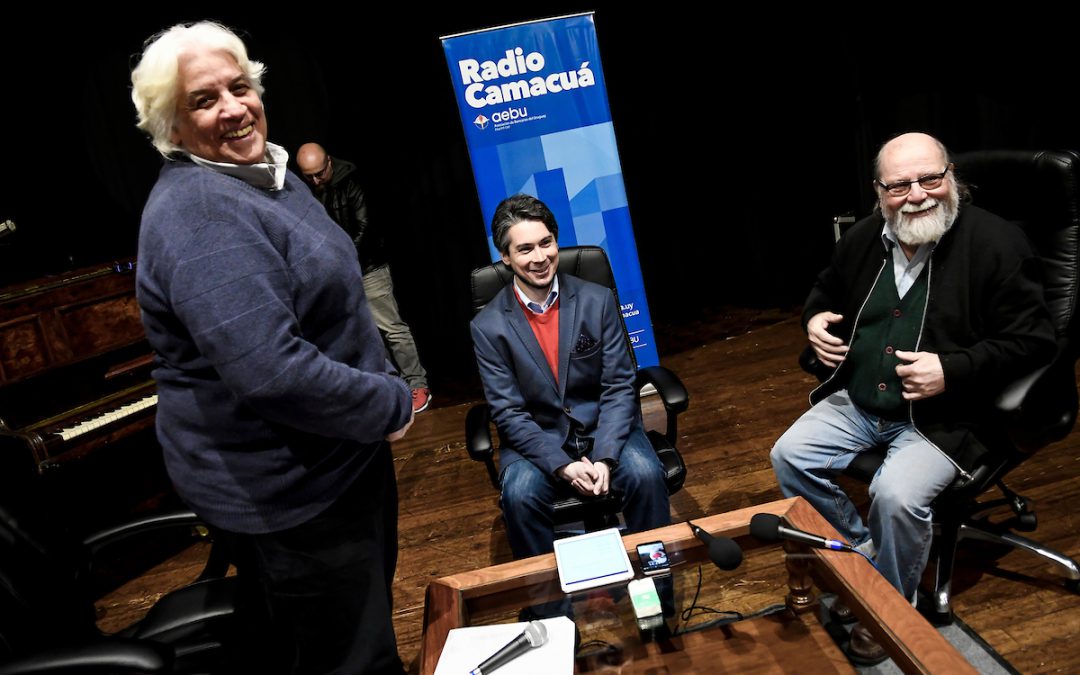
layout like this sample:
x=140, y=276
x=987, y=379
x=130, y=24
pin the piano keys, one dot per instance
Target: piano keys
x=105, y=417
x=74, y=366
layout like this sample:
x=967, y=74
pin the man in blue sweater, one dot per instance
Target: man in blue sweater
x=276, y=400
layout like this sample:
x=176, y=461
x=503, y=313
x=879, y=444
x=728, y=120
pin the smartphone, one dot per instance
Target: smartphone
x=654, y=558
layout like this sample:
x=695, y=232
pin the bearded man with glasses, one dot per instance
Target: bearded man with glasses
x=929, y=307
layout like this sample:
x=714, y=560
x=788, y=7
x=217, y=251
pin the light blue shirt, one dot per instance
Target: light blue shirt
x=533, y=307
x=905, y=271
x=266, y=175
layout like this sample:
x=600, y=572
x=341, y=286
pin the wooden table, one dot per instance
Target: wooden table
x=763, y=645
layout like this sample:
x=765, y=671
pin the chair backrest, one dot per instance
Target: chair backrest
x=40, y=596
x=1040, y=191
x=585, y=262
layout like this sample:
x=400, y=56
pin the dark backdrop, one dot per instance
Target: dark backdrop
x=740, y=139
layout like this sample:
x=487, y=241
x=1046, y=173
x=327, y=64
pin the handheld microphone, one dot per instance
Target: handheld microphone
x=534, y=635
x=767, y=527
x=724, y=552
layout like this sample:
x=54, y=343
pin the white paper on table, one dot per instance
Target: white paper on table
x=466, y=648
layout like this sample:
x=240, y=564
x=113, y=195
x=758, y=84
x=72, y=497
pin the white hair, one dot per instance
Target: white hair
x=155, y=88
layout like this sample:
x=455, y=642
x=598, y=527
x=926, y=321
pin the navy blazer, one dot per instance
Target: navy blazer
x=595, y=387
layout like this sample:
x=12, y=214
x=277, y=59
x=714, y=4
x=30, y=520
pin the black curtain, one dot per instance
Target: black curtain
x=739, y=139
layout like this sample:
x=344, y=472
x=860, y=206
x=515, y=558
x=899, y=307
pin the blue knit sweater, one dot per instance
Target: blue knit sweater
x=274, y=387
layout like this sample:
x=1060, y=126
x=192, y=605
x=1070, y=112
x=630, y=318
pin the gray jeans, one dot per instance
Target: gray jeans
x=379, y=289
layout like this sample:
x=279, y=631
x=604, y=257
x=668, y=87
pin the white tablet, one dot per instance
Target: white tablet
x=592, y=559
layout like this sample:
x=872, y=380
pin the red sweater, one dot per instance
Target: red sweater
x=546, y=329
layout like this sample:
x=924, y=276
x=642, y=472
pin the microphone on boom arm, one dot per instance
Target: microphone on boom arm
x=767, y=527
x=723, y=551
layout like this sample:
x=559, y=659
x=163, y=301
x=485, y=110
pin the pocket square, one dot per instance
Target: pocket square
x=584, y=343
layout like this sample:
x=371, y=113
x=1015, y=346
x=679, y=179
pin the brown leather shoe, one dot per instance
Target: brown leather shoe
x=863, y=649
x=841, y=613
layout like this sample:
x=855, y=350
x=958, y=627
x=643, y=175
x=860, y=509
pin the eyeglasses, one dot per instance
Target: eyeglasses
x=319, y=175
x=928, y=182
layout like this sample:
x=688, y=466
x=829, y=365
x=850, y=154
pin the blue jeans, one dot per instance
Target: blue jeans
x=528, y=494
x=821, y=444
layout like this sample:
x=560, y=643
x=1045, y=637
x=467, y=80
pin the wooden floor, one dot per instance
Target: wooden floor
x=744, y=391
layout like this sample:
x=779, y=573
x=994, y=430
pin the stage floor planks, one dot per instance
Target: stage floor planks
x=744, y=392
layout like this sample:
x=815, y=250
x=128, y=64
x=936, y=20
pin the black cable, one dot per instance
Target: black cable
x=601, y=650
x=695, y=610
x=732, y=616
x=765, y=611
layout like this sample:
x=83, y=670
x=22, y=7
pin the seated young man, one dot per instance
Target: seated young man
x=558, y=376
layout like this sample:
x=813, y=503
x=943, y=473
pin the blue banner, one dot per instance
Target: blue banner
x=536, y=117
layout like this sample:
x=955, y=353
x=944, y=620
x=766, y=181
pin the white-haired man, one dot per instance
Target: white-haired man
x=275, y=396
x=928, y=308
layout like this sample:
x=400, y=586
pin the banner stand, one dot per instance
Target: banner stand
x=534, y=107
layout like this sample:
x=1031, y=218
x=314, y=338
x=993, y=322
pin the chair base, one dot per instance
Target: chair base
x=1068, y=566
x=940, y=610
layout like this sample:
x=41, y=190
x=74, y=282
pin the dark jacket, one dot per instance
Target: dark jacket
x=535, y=411
x=344, y=201
x=985, y=317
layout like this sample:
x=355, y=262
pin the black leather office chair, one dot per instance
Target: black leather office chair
x=1040, y=191
x=589, y=263
x=47, y=619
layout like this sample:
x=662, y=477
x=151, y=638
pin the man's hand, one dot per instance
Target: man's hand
x=580, y=475
x=921, y=374
x=400, y=433
x=602, y=476
x=830, y=349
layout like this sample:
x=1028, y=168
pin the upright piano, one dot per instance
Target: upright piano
x=74, y=367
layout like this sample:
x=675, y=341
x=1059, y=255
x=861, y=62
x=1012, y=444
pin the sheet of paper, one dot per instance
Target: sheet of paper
x=466, y=648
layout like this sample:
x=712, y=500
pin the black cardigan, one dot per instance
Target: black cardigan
x=985, y=318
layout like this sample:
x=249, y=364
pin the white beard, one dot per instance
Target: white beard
x=922, y=230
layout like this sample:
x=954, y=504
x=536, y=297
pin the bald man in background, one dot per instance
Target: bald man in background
x=334, y=183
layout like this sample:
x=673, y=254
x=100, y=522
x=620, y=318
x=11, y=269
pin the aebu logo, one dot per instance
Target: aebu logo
x=511, y=114
x=481, y=122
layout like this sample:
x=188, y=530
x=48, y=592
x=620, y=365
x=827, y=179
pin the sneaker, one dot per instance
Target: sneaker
x=421, y=399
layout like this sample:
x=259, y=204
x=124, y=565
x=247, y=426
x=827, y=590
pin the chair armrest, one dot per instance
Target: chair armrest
x=670, y=459
x=1011, y=399
x=217, y=564
x=111, y=655
x=478, y=433
x=133, y=528
x=672, y=394
x=478, y=440
x=808, y=361
x=195, y=608
x=668, y=386
x=1041, y=407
